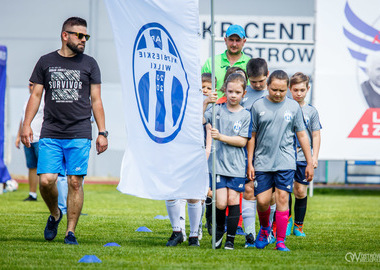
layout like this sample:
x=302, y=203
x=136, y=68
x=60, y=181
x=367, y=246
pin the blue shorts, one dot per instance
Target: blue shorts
x=234, y=183
x=267, y=180
x=31, y=155
x=299, y=176
x=56, y=155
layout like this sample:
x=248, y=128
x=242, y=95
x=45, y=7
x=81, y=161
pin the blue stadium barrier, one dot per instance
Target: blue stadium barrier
x=370, y=175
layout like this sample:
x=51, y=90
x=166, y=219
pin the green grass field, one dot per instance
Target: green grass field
x=337, y=222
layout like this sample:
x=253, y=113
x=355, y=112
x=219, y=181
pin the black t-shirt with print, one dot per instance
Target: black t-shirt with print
x=67, y=81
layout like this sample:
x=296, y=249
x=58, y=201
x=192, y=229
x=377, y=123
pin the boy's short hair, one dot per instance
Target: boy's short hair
x=236, y=77
x=257, y=67
x=299, y=77
x=279, y=75
x=206, y=77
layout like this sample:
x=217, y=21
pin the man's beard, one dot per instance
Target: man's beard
x=75, y=48
x=234, y=53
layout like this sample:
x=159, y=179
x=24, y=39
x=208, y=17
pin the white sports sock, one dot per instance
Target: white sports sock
x=174, y=208
x=33, y=194
x=195, y=212
x=248, y=213
x=272, y=211
x=182, y=217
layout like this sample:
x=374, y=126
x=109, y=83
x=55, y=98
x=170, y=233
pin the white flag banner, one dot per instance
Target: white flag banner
x=157, y=44
x=347, y=78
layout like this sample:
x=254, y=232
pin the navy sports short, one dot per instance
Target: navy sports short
x=234, y=183
x=267, y=180
x=299, y=175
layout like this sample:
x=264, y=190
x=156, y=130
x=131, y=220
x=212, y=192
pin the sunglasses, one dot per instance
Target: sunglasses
x=79, y=35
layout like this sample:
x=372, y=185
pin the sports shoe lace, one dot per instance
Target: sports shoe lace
x=71, y=237
x=280, y=244
x=51, y=223
x=263, y=234
x=299, y=227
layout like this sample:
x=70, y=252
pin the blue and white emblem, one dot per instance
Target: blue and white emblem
x=160, y=82
x=237, y=126
x=287, y=116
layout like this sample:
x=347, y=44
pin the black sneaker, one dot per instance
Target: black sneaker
x=71, y=239
x=175, y=239
x=52, y=226
x=219, y=239
x=249, y=241
x=30, y=198
x=193, y=242
x=229, y=245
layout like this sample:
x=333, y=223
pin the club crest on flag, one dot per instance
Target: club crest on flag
x=160, y=83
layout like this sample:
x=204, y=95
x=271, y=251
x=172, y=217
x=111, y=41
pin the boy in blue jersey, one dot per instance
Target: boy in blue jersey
x=276, y=120
x=257, y=71
x=299, y=86
x=231, y=131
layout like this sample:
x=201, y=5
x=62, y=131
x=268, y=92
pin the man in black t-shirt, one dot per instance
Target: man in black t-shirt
x=72, y=84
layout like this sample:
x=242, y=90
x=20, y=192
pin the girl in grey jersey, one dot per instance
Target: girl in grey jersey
x=231, y=131
x=276, y=119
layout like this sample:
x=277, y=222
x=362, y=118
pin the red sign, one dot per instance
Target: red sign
x=368, y=126
x=376, y=39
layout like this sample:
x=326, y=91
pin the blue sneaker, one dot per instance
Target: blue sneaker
x=262, y=237
x=298, y=230
x=71, y=239
x=240, y=231
x=280, y=245
x=289, y=227
x=52, y=227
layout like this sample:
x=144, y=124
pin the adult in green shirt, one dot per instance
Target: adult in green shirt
x=232, y=57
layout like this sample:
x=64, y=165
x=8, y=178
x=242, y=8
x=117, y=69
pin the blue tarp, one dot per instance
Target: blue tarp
x=4, y=174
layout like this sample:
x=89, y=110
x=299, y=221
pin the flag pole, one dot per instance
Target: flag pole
x=213, y=124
